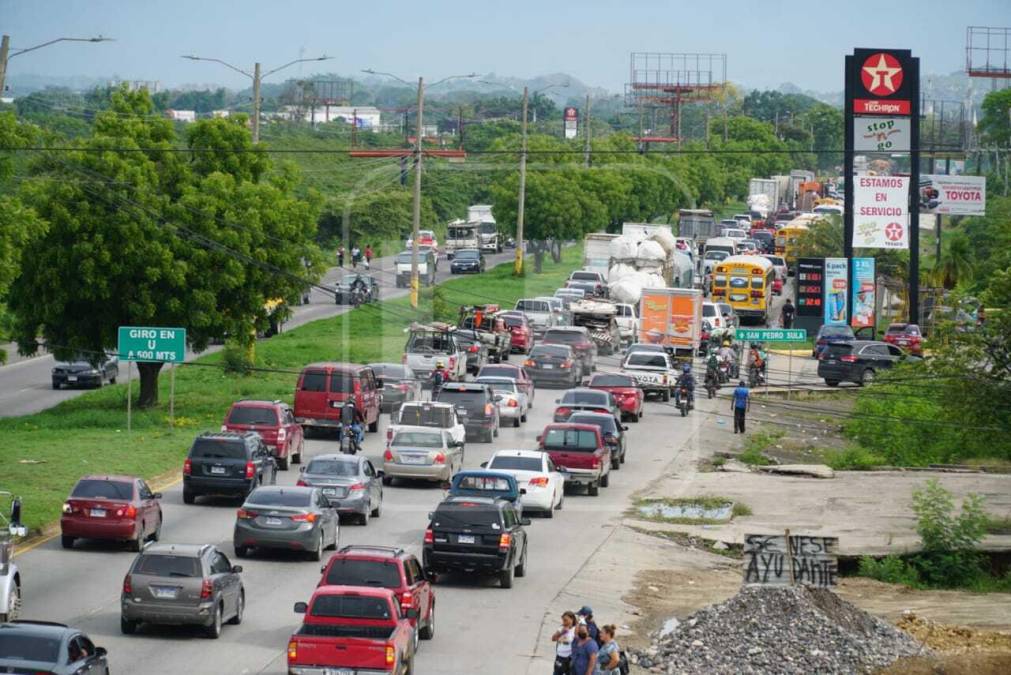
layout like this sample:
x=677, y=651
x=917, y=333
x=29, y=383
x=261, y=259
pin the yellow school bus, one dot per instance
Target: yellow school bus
x=787, y=238
x=745, y=283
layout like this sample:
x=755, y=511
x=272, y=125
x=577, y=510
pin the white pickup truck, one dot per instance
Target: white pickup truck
x=627, y=318
x=654, y=372
x=430, y=344
x=539, y=313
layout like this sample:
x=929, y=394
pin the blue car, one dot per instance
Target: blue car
x=494, y=484
x=829, y=333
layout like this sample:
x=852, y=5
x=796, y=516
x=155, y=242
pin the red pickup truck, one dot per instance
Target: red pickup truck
x=354, y=630
x=580, y=453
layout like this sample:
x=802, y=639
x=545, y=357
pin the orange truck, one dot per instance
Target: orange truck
x=672, y=317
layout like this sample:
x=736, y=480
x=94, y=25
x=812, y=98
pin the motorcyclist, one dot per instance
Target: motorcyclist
x=756, y=360
x=687, y=380
x=359, y=291
x=351, y=416
x=439, y=377
x=712, y=368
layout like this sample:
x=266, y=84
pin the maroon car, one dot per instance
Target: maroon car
x=580, y=454
x=111, y=508
x=625, y=390
x=522, y=332
x=907, y=336
x=275, y=422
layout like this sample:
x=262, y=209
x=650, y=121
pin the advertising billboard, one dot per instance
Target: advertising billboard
x=570, y=120
x=810, y=286
x=881, y=134
x=881, y=215
x=953, y=195
x=863, y=302
x=836, y=290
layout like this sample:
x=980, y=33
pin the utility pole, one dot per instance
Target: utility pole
x=586, y=147
x=416, y=219
x=5, y=55
x=5, y=47
x=256, y=102
x=518, y=265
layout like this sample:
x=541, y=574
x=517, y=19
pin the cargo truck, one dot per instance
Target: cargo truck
x=672, y=317
x=697, y=224
x=461, y=234
x=488, y=234
x=761, y=208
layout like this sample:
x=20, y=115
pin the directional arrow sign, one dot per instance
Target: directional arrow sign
x=152, y=344
x=771, y=334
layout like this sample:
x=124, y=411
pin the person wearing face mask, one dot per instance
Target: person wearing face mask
x=563, y=639
x=584, y=652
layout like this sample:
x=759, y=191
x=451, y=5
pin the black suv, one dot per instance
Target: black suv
x=227, y=463
x=476, y=405
x=476, y=535
x=858, y=361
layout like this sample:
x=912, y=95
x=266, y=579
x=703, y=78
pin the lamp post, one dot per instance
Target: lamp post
x=256, y=76
x=416, y=210
x=6, y=55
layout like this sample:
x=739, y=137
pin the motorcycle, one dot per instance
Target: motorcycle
x=712, y=383
x=724, y=372
x=683, y=399
x=349, y=440
x=755, y=376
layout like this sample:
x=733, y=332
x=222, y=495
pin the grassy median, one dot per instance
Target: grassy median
x=47, y=452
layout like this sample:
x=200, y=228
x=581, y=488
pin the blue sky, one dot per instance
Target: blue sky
x=767, y=42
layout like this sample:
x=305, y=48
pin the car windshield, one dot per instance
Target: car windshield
x=103, y=489
x=351, y=607
x=499, y=371
x=218, y=448
x=466, y=398
x=17, y=646
x=583, y=396
x=612, y=381
x=566, y=336
x=550, y=350
x=348, y=572
x=253, y=415
x=481, y=483
x=430, y=343
x=570, y=439
x=417, y=439
x=391, y=371
x=836, y=331
x=776, y=260
x=489, y=228
x=531, y=306
x=499, y=384
x=708, y=310
x=405, y=258
x=332, y=467
x=466, y=515
x=647, y=360
x=584, y=276
x=835, y=351
x=605, y=422
x=155, y=565
x=467, y=255
x=716, y=255
x=275, y=497
x=512, y=320
x=510, y=463
x=426, y=416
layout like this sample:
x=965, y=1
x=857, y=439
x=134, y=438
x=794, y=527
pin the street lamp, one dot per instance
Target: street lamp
x=5, y=55
x=256, y=77
x=416, y=211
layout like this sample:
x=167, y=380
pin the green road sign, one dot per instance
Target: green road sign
x=771, y=334
x=152, y=344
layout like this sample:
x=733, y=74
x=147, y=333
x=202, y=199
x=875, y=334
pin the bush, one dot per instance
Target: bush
x=949, y=557
x=236, y=358
x=890, y=569
x=854, y=458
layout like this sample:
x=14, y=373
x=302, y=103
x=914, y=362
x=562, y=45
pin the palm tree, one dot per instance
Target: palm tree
x=956, y=264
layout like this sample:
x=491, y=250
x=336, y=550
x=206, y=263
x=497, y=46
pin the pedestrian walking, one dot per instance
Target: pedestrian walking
x=740, y=404
x=356, y=256
x=788, y=313
x=585, y=618
x=563, y=639
x=340, y=256
x=609, y=656
x=584, y=652
x=368, y=254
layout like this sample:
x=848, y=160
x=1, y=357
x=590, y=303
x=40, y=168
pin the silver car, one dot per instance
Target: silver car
x=289, y=518
x=423, y=453
x=350, y=483
x=182, y=584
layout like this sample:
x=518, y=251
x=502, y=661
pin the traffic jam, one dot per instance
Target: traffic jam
x=357, y=439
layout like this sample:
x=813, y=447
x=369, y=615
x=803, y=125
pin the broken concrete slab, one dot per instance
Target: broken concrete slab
x=813, y=470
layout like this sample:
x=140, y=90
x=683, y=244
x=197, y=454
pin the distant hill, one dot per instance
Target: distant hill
x=955, y=86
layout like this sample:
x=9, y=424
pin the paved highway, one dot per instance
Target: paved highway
x=26, y=388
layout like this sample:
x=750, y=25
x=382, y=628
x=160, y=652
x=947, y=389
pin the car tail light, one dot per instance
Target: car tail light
x=505, y=540
x=849, y=358
x=69, y=508
x=206, y=589
x=357, y=487
x=127, y=585
x=389, y=433
x=540, y=481
x=404, y=387
x=391, y=655
x=513, y=403
x=564, y=412
x=452, y=362
x=304, y=518
x=187, y=467
x=407, y=600
x=429, y=536
x=129, y=512
x=596, y=463
x=224, y=427
x=250, y=469
x=440, y=458
x=567, y=363
x=530, y=362
x=282, y=433
x=489, y=409
x=388, y=455
x=292, y=651
x=301, y=483
x=756, y=294
x=472, y=349
x=243, y=514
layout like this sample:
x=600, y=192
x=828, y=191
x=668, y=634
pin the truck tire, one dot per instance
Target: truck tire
x=665, y=396
x=282, y=463
x=427, y=632
x=605, y=480
x=592, y=489
x=188, y=496
x=505, y=578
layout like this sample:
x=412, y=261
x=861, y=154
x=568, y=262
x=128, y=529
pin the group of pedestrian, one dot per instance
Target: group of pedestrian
x=357, y=255
x=583, y=648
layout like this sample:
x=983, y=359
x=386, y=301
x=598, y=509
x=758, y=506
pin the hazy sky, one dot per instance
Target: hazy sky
x=767, y=42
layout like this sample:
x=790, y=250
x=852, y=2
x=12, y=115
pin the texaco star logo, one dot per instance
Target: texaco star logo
x=893, y=231
x=881, y=74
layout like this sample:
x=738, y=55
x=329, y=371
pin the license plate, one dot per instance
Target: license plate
x=465, y=539
x=98, y=513
x=413, y=459
x=337, y=671
x=548, y=366
x=329, y=491
x=218, y=469
x=163, y=593
x=903, y=342
x=71, y=378
x=274, y=521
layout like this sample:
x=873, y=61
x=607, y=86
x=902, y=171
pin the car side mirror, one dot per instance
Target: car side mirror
x=412, y=613
x=156, y=495
x=430, y=575
x=523, y=491
x=558, y=400
x=525, y=522
x=484, y=465
x=301, y=469
x=379, y=383
x=624, y=428
x=301, y=608
x=538, y=439
x=380, y=473
x=236, y=569
x=430, y=513
x=101, y=651
x=497, y=399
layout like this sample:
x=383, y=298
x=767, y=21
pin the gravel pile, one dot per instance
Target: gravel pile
x=765, y=629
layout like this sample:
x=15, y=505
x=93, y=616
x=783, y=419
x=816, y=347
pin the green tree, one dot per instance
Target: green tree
x=553, y=209
x=995, y=123
x=957, y=262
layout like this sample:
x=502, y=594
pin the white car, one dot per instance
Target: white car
x=428, y=414
x=628, y=322
x=542, y=486
x=539, y=314
x=778, y=264
x=513, y=403
x=711, y=313
x=426, y=237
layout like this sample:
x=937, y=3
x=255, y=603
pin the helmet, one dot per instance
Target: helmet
x=686, y=368
x=440, y=364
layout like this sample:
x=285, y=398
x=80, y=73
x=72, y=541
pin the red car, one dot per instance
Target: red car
x=275, y=422
x=520, y=329
x=580, y=454
x=113, y=508
x=386, y=567
x=350, y=629
x=523, y=380
x=907, y=336
x=625, y=390
x=777, y=286
x=323, y=388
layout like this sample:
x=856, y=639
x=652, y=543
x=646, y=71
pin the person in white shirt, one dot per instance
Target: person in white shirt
x=563, y=638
